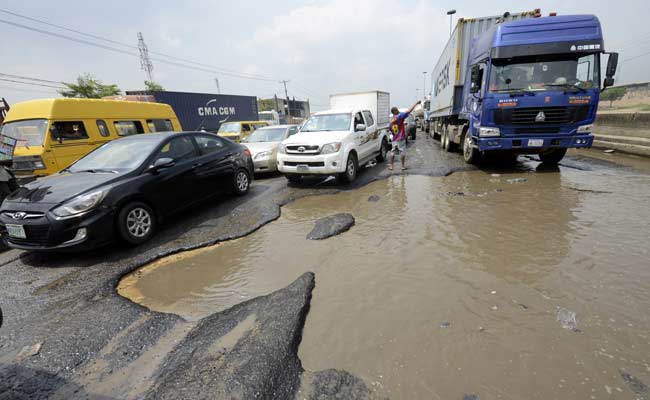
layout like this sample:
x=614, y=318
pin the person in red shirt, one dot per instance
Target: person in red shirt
x=399, y=134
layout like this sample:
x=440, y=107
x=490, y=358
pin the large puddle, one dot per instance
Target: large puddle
x=448, y=286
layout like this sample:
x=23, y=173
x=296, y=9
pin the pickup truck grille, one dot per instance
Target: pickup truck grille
x=551, y=116
x=305, y=150
x=309, y=164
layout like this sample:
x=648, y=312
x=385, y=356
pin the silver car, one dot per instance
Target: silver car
x=263, y=145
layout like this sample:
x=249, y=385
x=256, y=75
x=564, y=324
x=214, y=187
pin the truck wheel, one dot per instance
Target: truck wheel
x=383, y=151
x=552, y=156
x=470, y=154
x=293, y=178
x=445, y=142
x=351, y=167
x=451, y=146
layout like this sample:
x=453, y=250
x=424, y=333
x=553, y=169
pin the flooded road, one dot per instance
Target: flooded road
x=451, y=286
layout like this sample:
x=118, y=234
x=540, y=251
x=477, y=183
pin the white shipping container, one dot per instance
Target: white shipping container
x=376, y=101
x=449, y=72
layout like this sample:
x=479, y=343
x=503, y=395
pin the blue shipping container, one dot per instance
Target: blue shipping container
x=197, y=111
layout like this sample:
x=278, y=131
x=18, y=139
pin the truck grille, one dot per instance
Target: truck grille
x=305, y=150
x=552, y=115
x=309, y=164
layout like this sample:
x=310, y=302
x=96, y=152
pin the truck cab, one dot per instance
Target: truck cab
x=333, y=142
x=533, y=87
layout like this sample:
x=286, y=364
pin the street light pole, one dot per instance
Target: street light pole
x=424, y=84
x=451, y=16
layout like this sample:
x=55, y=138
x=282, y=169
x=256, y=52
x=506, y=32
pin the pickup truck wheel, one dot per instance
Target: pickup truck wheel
x=470, y=154
x=136, y=223
x=552, y=156
x=351, y=167
x=383, y=151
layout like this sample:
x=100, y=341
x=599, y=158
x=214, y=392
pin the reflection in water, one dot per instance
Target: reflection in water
x=451, y=285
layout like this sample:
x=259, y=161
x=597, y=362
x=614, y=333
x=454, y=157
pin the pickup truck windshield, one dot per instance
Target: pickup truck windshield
x=547, y=73
x=327, y=122
x=29, y=132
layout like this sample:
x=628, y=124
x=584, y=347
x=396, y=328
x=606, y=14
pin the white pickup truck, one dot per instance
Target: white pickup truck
x=339, y=141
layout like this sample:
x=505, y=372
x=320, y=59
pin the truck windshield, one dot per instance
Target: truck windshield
x=565, y=72
x=229, y=127
x=29, y=132
x=327, y=122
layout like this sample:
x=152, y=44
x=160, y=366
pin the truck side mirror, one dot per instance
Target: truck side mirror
x=475, y=84
x=612, y=64
x=360, y=127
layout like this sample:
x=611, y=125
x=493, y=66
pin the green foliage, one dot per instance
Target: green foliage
x=87, y=86
x=265, y=104
x=613, y=94
x=152, y=86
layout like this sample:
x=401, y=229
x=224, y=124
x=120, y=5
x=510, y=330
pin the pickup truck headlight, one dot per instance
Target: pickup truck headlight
x=282, y=149
x=263, y=154
x=80, y=204
x=585, y=128
x=489, y=132
x=331, y=148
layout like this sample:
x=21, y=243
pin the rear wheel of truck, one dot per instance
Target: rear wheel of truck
x=470, y=154
x=383, y=151
x=445, y=142
x=552, y=156
x=293, y=178
x=435, y=132
x=351, y=167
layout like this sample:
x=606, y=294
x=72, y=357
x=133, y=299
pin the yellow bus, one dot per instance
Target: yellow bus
x=54, y=133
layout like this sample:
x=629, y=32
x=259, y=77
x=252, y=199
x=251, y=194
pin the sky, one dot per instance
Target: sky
x=319, y=47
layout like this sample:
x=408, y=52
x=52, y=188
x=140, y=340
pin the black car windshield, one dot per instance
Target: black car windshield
x=116, y=156
x=29, y=132
x=545, y=73
x=266, y=135
x=327, y=122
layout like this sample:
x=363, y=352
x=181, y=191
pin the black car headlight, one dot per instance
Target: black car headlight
x=80, y=204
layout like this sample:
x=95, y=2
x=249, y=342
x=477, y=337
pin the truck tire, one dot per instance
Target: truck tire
x=470, y=154
x=351, y=169
x=435, y=132
x=383, y=151
x=446, y=143
x=552, y=156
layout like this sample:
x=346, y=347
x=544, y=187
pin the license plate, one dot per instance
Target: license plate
x=302, y=168
x=535, y=142
x=16, y=231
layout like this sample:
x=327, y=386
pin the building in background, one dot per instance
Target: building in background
x=298, y=110
x=203, y=111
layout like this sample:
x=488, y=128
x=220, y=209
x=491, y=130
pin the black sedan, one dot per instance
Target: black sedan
x=123, y=189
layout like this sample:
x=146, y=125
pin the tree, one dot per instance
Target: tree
x=613, y=94
x=265, y=104
x=152, y=86
x=89, y=87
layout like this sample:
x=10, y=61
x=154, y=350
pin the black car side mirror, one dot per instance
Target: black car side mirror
x=162, y=163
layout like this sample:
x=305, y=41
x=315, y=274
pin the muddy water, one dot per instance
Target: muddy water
x=449, y=286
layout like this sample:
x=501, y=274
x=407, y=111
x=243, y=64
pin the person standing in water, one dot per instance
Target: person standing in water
x=399, y=134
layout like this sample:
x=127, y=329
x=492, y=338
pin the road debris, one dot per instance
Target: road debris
x=29, y=351
x=445, y=324
x=374, y=198
x=517, y=180
x=635, y=384
x=609, y=151
x=567, y=319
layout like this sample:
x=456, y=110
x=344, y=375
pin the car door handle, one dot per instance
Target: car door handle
x=197, y=165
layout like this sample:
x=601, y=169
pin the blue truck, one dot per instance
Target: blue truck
x=519, y=84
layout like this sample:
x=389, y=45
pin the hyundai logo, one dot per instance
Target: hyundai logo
x=301, y=149
x=18, y=215
x=541, y=117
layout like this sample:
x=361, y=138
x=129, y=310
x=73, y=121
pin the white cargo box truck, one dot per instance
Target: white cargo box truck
x=377, y=102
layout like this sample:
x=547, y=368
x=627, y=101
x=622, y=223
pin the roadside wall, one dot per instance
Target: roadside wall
x=623, y=132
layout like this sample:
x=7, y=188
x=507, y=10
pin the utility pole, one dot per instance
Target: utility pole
x=216, y=80
x=145, y=61
x=286, y=94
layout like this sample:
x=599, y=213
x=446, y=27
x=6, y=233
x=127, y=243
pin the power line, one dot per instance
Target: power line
x=28, y=78
x=30, y=83
x=239, y=74
x=635, y=57
x=26, y=90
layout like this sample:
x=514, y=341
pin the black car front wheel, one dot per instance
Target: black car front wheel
x=136, y=223
x=241, y=182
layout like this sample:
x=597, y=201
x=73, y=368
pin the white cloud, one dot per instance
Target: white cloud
x=344, y=46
